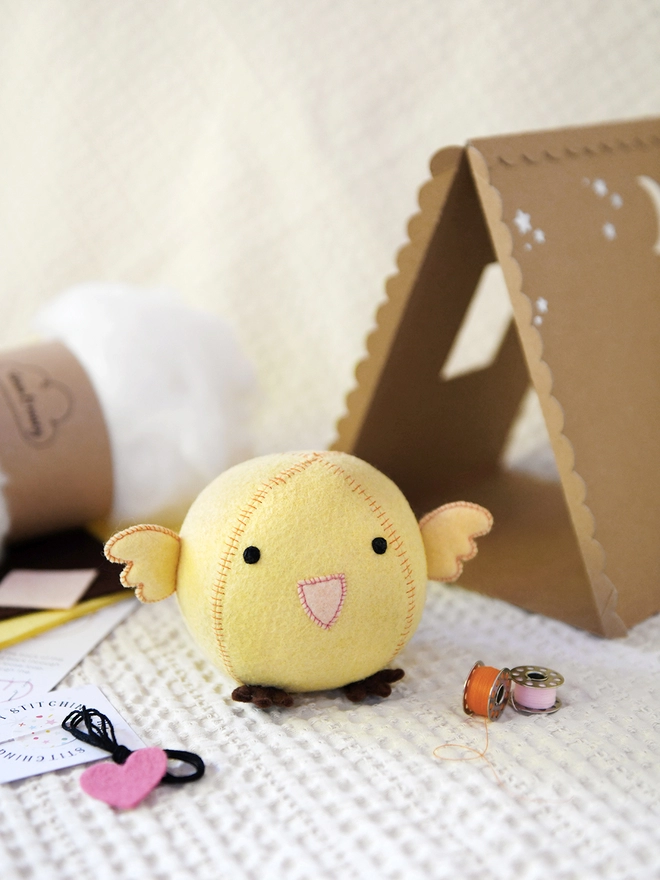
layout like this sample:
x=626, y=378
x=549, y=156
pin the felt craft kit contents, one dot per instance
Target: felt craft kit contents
x=134, y=774
x=301, y=571
x=126, y=409
x=51, y=731
x=486, y=694
x=572, y=219
x=529, y=690
x=32, y=740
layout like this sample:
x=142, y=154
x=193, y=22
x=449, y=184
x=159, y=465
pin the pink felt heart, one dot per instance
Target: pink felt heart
x=125, y=785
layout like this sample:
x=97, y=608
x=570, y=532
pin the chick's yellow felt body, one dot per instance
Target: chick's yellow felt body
x=300, y=571
x=320, y=607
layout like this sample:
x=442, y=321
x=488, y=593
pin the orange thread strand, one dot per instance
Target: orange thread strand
x=469, y=752
x=476, y=753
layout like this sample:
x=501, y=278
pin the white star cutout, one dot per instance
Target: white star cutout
x=600, y=187
x=609, y=231
x=539, y=236
x=522, y=221
x=538, y=320
x=542, y=305
x=616, y=201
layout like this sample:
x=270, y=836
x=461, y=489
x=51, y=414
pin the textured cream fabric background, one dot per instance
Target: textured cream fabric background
x=263, y=158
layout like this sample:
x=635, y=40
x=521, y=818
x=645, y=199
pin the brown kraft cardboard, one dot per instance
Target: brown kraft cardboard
x=54, y=446
x=573, y=218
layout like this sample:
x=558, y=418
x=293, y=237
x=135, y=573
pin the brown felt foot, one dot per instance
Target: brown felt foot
x=377, y=685
x=262, y=697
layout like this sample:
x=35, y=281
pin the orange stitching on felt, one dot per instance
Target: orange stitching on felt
x=227, y=559
x=128, y=563
x=471, y=537
x=406, y=568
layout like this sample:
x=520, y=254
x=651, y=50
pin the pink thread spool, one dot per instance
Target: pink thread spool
x=535, y=690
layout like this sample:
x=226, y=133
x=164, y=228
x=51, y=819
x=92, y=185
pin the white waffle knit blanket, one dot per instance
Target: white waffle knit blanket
x=329, y=789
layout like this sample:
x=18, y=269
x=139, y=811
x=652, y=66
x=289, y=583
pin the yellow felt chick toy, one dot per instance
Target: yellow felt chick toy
x=301, y=572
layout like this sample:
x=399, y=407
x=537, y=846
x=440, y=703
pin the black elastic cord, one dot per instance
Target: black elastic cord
x=187, y=758
x=100, y=733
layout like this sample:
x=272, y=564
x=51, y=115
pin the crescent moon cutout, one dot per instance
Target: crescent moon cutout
x=652, y=187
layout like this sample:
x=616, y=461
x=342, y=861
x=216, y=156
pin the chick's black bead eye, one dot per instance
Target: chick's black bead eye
x=379, y=545
x=251, y=555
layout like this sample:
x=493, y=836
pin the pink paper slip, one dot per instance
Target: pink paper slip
x=25, y=588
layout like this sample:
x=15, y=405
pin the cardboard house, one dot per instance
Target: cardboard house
x=573, y=218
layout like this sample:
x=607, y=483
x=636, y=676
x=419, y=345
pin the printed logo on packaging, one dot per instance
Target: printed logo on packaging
x=38, y=403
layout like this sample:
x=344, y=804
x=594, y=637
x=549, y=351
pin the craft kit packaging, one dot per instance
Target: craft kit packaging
x=55, y=451
x=131, y=408
x=573, y=218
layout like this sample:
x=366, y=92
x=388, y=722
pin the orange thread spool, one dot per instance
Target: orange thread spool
x=486, y=691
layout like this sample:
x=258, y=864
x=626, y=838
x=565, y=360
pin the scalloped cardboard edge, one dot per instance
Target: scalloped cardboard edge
x=577, y=234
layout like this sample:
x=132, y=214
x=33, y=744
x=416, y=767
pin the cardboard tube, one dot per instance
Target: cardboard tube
x=54, y=444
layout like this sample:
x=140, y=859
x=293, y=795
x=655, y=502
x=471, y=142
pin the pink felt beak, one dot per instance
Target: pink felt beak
x=322, y=598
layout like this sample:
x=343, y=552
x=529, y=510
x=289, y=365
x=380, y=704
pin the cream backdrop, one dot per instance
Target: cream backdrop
x=262, y=158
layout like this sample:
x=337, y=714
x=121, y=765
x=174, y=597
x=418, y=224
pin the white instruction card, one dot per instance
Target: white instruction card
x=33, y=741
x=39, y=664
